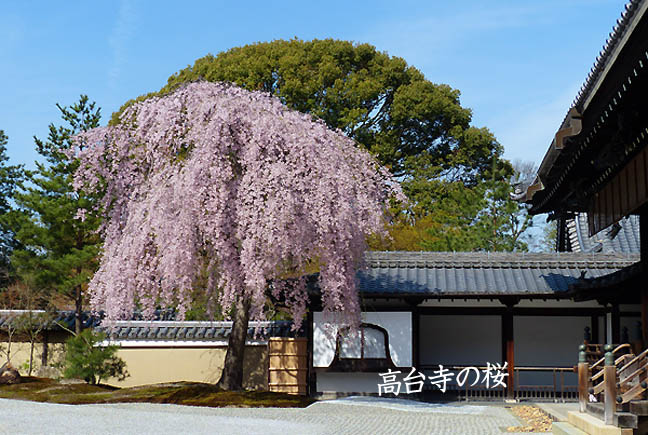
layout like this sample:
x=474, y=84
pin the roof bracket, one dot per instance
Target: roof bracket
x=573, y=128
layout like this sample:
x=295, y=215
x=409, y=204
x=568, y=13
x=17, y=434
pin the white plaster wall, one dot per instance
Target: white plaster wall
x=460, y=340
x=397, y=324
x=547, y=341
x=348, y=382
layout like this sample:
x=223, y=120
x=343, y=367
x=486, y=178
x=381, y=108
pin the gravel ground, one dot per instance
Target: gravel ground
x=353, y=415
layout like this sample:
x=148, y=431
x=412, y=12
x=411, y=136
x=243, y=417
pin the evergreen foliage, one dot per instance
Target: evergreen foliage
x=57, y=250
x=86, y=359
x=11, y=177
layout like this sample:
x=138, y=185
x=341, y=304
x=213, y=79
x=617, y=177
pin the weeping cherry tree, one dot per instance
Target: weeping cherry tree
x=213, y=180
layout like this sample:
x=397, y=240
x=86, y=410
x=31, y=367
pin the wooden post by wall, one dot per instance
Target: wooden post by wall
x=608, y=326
x=616, y=324
x=416, y=337
x=508, y=350
x=583, y=379
x=609, y=377
x=594, y=323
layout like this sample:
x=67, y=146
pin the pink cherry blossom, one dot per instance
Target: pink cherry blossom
x=219, y=180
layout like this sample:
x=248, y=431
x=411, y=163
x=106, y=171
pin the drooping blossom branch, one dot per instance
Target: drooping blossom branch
x=219, y=180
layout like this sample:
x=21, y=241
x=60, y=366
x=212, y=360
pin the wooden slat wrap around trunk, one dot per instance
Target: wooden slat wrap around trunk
x=288, y=365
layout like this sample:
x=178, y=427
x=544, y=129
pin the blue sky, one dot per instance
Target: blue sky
x=518, y=64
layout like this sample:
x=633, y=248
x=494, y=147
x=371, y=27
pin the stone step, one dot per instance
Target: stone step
x=639, y=407
x=595, y=409
x=557, y=411
x=564, y=428
x=621, y=419
x=593, y=426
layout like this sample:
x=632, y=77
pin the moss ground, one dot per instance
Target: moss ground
x=180, y=393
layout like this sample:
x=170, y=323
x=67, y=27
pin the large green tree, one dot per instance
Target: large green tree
x=416, y=128
x=10, y=178
x=56, y=248
x=463, y=218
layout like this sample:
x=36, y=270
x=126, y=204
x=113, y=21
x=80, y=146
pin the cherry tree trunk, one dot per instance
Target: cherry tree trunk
x=232, y=377
x=78, y=309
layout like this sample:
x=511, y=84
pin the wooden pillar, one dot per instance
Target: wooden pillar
x=416, y=337
x=583, y=379
x=609, y=393
x=608, y=326
x=644, y=311
x=508, y=350
x=594, y=325
x=616, y=324
x=643, y=243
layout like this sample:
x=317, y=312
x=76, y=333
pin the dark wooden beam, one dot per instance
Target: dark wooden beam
x=616, y=324
x=561, y=237
x=416, y=337
x=594, y=325
x=498, y=311
x=643, y=243
x=414, y=300
x=460, y=311
x=509, y=301
x=630, y=313
x=508, y=349
x=576, y=312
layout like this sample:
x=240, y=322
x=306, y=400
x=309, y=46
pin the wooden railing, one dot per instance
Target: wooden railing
x=596, y=370
x=557, y=391
x=622, y=349
x=616, y=379
x=632, y=378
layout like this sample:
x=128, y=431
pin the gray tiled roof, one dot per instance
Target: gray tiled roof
x=162, y=330
x=616, y=37
x=625, y=241
x=447, y=274
x=152, y=331
x=623, y=277
x=57, y=321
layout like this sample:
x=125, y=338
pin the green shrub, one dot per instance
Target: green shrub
x=86, y=359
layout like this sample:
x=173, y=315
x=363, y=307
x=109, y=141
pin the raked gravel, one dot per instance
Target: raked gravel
x=354, y=415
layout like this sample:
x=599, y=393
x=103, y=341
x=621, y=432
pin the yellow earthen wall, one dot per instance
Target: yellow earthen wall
x=156, y=365
x=20, y=350
x=20, y=355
